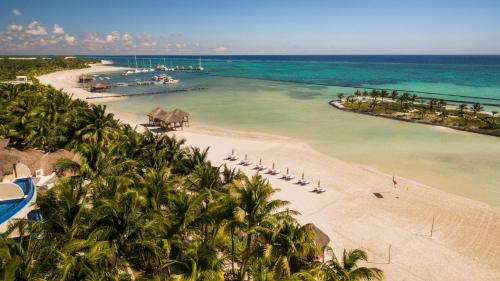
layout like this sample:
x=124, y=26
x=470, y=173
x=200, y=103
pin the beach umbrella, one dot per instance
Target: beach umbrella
x=232, y=151
x=319, y=183
x=245, y=156
x=287, y=171
x=273, y=165
x=260, y=161
x=302, y=175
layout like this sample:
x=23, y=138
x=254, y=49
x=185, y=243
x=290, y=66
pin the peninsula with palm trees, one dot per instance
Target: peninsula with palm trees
x=412, y=108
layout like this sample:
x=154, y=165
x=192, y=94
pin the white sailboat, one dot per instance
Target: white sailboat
x=151, y=69
x=137, y=70
x=200, y=68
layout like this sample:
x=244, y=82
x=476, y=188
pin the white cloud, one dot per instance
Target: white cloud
x=58, y=29
x=36, y=38
x=15, y=27
x=35, y=28
x=70, y=40
x=220, y=49
x=16, y=12
x=110, y=38
x=126, y=37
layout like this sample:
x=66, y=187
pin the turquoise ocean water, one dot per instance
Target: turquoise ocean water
x=288, y=95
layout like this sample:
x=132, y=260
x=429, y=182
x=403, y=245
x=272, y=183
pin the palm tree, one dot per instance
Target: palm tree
x=260, y=213
x=347, y=269
x=99, y=125
x=394, y=95
x=461, y=109
x=444, y=114
x=403, y=99
x=442, y=104
x=66, y=217
x=432, y=103
x=19, y=258
x=290, y=248
x=476, y=107
x=200, y=262
x=340, y=97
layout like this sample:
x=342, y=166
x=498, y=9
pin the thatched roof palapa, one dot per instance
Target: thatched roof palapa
x=155, y=111
x=181, y=113
x=100, y=85
x=34, y=159
x=320, y=237
x=169, y=117
x=86, y=77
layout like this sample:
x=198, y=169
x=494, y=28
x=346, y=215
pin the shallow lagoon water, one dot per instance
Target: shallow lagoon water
x=466, y=164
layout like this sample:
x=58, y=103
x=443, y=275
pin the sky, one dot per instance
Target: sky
x=202, y=27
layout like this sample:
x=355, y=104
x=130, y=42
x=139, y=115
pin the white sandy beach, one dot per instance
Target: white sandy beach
x=465, y=244
x=68, y=80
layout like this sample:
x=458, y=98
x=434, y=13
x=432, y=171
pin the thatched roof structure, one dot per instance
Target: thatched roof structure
x=320, y=237
x=34, y=159
x=175, y=119
x=155, y=111
x=180, y=113
x=100, y=86
x=85, y=78
x=170, y=117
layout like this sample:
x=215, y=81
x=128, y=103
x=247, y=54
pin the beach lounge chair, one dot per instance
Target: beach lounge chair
x=304, y=182
x=275, y=172
x=246, y=162
x=318, y=188
x=232, y=157
x=45, y=181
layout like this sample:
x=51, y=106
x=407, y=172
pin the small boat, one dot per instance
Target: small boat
x=128, y=72
x=121, y=84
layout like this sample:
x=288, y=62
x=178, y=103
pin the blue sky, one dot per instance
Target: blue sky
x=250, y=27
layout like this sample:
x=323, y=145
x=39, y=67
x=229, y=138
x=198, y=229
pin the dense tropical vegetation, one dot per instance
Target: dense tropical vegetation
x=9, y=68
x=146, y=207
x=428, y=110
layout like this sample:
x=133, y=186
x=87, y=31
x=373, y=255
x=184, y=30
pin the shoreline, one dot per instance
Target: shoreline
x=66, y=80
x=464, y=245
x=415, y=121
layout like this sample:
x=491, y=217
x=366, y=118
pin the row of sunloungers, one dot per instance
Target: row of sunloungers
x=273, y=171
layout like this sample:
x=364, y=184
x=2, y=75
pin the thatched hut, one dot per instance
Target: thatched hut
x=99, y=87
x=183, y=115
x=84, y=78
x=34, y=159
x=168, y=120
x=153, y=114
x=171, y=121
x=321, y=239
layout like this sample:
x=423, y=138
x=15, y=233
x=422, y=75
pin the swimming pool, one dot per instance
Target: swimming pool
x=10, y=208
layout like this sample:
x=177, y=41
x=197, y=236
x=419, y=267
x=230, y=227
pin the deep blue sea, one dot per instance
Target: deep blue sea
x=447, y=77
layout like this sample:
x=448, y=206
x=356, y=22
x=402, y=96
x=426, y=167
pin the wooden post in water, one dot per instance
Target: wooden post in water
x=432, y=226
